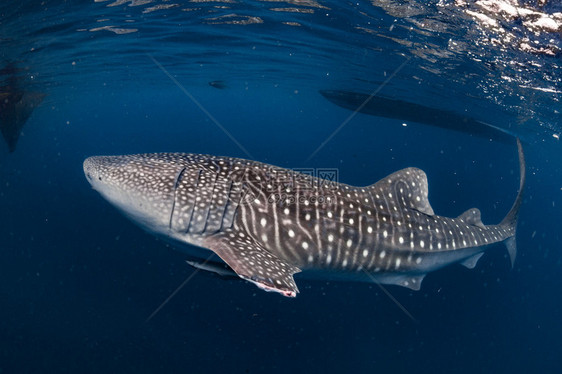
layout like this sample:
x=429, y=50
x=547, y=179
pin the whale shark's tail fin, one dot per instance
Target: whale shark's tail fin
x=510, y=219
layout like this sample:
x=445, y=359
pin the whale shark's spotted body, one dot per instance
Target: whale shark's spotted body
x=267, y=223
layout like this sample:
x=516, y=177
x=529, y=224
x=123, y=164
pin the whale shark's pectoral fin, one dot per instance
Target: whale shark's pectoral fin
x=254, y=263
x=220, y=269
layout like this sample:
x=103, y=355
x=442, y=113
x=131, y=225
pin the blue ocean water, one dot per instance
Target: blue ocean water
x=78, y=280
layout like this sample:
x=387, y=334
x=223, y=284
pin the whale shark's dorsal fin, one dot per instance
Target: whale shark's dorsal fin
x=408, y=187
x=472, y=217
x=254, y=263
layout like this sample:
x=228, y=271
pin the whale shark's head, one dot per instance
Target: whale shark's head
x=142, y=186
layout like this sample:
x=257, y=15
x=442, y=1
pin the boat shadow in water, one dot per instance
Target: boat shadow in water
x=406, y=111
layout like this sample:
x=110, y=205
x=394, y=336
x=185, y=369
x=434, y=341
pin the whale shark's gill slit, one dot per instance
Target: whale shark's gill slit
x=178, y=180
x=234, y=198
x=194, y=202
x=226, y=205
x=214, y=193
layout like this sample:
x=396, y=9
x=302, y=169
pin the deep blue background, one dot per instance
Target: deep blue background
x=78, y=280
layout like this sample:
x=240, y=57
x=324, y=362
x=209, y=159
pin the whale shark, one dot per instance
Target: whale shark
x=16, y=104
x=264, y=223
